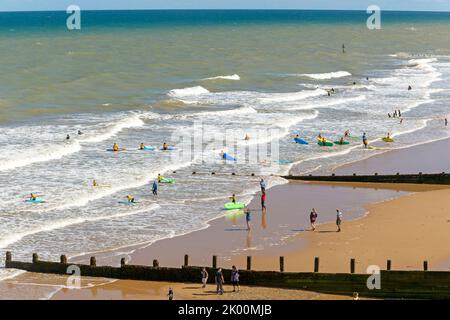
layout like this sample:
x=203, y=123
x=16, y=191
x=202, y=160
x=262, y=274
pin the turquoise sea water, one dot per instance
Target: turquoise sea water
x=149, y=76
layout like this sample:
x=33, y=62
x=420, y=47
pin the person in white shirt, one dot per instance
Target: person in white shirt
x=338, y=219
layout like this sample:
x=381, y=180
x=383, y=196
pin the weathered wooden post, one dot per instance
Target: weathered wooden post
x=35, y=258
x=249, y=263
x=388, y=265
x=123, y=262
x=155, y=263
x=214, y=264
x=63, y=259
x=281, y=264
x=186, y=260
x=8, y=256
x=425, y=265
x=316, y=264
x=93, y=262
x=352, y=265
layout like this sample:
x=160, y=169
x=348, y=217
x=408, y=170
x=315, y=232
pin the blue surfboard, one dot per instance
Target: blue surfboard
x=35, y=201
x=300, y=141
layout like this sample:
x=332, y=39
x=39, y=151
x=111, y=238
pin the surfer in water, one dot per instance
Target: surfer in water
x=364, y=138
x=233, y=198
x=32, y=197
x=165, y=146
x=247, y=137
x=67, y=137
x=223, y=155
x=347, y=133
x=409, y=88
x=141, y=146
x=130, y=199
x=446, y=121
x=341, y=140
x=94, y=183
x=80, y=133
x=159, y=178
x=115, y=147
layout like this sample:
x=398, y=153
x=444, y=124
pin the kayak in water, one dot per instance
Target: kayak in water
x=341, y=142
x=225, y=156
x=325, y=143
x=167, y=180
x=234, y=205
x=300, y=141
x=148, y=148
x=386, y=139
x=35, y=201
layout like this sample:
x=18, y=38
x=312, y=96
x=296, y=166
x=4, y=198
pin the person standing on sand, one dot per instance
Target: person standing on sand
x=235, y=278
x=204, y=277
x=219, y=281
x=247, y=218
x=170, y=294
x=338, y=219
x=263, y=200
x=312, y=219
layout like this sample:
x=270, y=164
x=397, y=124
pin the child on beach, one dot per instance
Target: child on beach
x=364, y=138
x=219, y=281
x=312, y=219
x=204, y=277
x=235, y=278
x=338, y=219
x=263, y=200
x=170, y=294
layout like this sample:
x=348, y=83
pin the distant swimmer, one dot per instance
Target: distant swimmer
x=343, y=48
x=399, y=113
x=332, y=90
x=389, y=115
x=247, y=137
x=141, y=146
x=329, y=93
x=233, y=198
x=401, y=120
x=32, y=197
x=80, y=133
x=367, y=78
x=155, y=188
x=165, y=146
x=347, y=133
x=409, y=88
x=446, y=121
x=67, y=137
x=354, y=83
x=130, y=199
x=94, y=183
x=365, y=142
x=115, y=147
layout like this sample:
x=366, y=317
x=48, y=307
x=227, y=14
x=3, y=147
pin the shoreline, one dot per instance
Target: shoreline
x=263, y=259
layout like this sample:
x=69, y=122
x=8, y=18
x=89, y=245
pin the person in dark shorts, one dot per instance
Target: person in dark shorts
x=313, y=218
x=235, y=278
x=263, y=200
x=247, y=217
x=219, y=281
x=338, y=219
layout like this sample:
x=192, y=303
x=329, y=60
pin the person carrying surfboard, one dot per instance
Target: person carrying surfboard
x=130, y=199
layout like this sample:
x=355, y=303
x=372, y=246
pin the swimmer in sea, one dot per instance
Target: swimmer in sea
x=165, y=146
x=130, y=199
x=80, y=133
x=94, y=183
x=67, y=137
x=32, y=197
x=115, y=147
x=141, y=146
x=247, y=137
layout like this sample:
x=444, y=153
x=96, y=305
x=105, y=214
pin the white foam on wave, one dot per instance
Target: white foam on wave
x=326, y=104
x=326, y=76
x=187, y=92
x=7, y=240
x=6, y=274
x=42, y=153
x=292, y=96
x=234, y=77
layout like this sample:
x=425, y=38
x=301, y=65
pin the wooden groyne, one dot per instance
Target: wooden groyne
x=420, y=178
x=392, y=284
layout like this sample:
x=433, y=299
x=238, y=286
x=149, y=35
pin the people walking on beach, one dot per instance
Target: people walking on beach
x=170, y=294
x=219, y=281
x=235, y=278
x=263, y=200
x=247, y=217
x=262, y=184
x=312, y=219
x=204, y=277
x=338, y=219
x=155, y=188
x=364, y=138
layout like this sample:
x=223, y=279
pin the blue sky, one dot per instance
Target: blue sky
x=415, y=5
